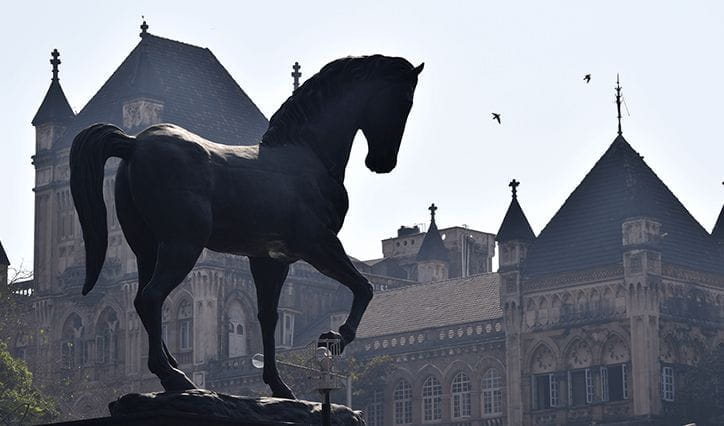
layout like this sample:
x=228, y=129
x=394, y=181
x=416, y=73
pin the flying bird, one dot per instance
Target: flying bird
x=587, y=78
x=496, y=116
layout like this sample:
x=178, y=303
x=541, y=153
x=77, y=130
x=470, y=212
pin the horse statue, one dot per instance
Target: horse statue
x=277, y=202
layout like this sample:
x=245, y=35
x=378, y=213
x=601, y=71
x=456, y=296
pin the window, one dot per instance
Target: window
x=107, y=337
x=580, y=387
x=667, y=384
x=402, y=398
x=235, y=330
x=431, y=400
x=545, y=391
x=288, y=330
x=460, y=396
x=185, y=324
x=492, y=392
x=614, y=383
x=375, y=412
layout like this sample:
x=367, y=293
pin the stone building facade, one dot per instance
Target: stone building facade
x=593, y=320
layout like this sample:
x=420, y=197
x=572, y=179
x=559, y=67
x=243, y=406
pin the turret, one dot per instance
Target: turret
x=433, y=258
x=514, y=235
x=54, y=113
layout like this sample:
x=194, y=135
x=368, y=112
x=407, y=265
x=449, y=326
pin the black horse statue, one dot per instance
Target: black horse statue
x=277, y=202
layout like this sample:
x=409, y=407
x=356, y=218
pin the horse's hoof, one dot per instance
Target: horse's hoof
x=286, y=394
x=336, y=349
x=177, y=382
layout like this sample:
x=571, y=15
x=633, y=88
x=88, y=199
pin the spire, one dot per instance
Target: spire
x=432, y=247
x=515, y=225
x=144, y=27
x=296, y=75
x=55, y=107
x=718, y=231
x=618, y=104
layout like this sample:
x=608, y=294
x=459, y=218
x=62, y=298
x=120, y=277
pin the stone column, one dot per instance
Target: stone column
x=642, y=277
x=512, y=255
x=205, y=287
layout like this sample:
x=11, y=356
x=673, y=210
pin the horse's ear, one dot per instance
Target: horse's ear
x=418, y=69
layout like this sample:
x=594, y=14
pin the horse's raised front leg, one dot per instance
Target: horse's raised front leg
x=174, y=261
x=330, y=259
x=269, y=276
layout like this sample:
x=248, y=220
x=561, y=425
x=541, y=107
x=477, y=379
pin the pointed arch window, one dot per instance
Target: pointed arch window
x=492, y=392
x=460, y=396
x=375, y=410
x=236, y=330
x=402, y=398
x=185, y=326
x=71, y=344
x=107, y=337
x=431, y=400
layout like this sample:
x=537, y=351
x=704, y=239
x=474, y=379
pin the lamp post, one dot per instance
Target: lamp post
x=324, y=355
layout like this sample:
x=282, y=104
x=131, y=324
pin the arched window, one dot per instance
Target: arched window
x=402, y=398
x=492, y=392
x=460, y=396
x=431, y=400
x=71, y=349
x=375, y=410
x=185, y=326
x=236, y=331
x=107, y=337
x=165, y=320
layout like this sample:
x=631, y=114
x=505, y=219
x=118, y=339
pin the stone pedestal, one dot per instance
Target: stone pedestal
x=199, y=406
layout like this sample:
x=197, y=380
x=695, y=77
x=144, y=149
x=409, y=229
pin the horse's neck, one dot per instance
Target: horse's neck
x=332, y=134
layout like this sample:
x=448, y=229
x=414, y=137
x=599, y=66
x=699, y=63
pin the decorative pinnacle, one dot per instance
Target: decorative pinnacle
x=144, y=27
x=514, y=185
x=618, y=104
x=433, y=209
x=296, y=74
x=55, y=62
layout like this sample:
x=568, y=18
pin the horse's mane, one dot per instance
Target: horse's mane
x=308, y=100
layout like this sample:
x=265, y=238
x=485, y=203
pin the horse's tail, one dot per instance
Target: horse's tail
x=88, y=155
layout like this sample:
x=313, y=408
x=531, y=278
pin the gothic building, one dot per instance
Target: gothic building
x=592, y=320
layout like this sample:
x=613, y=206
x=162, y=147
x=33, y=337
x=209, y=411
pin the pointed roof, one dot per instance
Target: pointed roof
x=3, y=256
x=432, y=247
x=197, y=93
x=586, y=230
x=515, y=225
x=55, y=107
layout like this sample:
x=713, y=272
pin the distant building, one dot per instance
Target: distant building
x=593, y=320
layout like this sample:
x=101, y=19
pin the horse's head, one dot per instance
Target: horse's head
x=384, y=118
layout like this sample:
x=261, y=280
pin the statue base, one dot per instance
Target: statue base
x=199, y=406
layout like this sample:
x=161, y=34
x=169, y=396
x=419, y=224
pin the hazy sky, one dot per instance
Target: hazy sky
x=525, y=60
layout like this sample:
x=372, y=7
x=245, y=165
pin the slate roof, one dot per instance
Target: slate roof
x=718, y=232
x=432, y=247
x=437, y=304
x=515, y=225
x=55, y=107
x=586, y=231
x=198, y=93
x=3, y=256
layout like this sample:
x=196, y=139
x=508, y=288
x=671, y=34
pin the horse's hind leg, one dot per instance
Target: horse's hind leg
x=139, y=238
x=174, y=261
x=269, y=276
x=330, y=259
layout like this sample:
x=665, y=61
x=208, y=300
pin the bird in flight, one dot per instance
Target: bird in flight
x=587, y=78
x=496, y=116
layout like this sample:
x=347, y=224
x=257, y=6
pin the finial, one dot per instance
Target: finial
x=55, y=62
x=618, y=104
x=296, y=74
x=514, y=185
x=144, y=27
x=433, y=209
